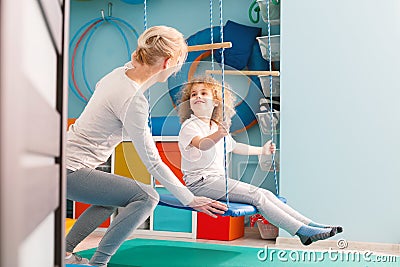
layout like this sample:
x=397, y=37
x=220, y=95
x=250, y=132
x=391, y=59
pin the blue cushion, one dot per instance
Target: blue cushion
x=242, y=38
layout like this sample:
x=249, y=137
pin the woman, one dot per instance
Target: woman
x=118, y=108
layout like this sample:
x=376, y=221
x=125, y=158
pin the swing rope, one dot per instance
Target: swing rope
x=145, y=14
x=223, y=81
x=221, y=24
x=223, y=94
x=148, y=91
x=271, y=99
x=212, y=34
x=222, y=84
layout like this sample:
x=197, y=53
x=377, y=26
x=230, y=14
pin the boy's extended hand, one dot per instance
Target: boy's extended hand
x=269, y=148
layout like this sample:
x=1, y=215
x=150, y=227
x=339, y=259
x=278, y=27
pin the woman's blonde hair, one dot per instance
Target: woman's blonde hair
x=219, y=114
x=159, y=42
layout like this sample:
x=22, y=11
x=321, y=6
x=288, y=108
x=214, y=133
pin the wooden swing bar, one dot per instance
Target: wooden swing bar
x=193, y=48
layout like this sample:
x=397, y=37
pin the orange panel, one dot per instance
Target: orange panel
x=236, y=228
x=81, y=207
x=171, y=155
x=71, y=121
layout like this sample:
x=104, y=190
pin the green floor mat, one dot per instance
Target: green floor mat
x=162, y=253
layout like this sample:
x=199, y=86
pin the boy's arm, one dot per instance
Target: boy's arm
x=209, y=141
x=243, y=149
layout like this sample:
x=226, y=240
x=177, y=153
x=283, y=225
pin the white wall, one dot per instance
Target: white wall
x=340, y=114
x=38, y=248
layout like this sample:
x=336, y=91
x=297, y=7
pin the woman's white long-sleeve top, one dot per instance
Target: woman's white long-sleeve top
x=118, y=109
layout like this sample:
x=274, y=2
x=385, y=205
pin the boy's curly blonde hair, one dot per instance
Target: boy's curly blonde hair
x=184, y=110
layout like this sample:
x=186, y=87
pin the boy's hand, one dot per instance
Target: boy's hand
x=269, y=148
x=223, y=129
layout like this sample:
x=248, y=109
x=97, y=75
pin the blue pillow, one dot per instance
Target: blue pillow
x=242, y=38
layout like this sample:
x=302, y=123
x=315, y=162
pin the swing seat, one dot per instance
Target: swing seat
x=234, y=209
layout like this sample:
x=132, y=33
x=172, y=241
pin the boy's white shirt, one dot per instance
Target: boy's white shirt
x=195, y=162
x=118, y=108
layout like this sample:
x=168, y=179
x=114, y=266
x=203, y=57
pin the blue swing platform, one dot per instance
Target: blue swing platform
x=234, y=209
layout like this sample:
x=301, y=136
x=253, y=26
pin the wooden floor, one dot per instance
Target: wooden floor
x=252, y=238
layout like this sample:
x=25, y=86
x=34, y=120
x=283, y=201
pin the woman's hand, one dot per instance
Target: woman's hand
x=268, y=148
x=208, y=206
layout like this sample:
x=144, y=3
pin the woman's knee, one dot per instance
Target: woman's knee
x=153, y=197
x=147, y=196
x=109, y=209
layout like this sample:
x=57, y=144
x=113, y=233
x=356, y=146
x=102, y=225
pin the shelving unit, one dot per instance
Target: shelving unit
x=167, y=221
x=269, y=116
x=178, y=223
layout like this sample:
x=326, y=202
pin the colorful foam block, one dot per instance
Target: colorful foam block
x=171, y=219
x=127, y=163
x=222, y=228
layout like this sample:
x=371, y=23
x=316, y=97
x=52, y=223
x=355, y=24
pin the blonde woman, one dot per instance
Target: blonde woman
x=118, y=107
x=202, y=148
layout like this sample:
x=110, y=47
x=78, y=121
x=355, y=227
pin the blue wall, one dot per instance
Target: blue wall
x=106, y=49
x=340, y=114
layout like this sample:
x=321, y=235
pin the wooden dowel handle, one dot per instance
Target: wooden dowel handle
x=209, y=46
